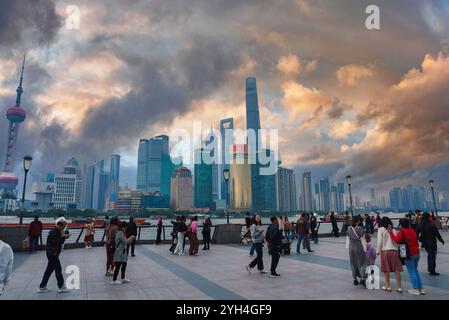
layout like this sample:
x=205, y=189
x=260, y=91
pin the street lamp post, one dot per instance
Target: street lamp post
x=26, y=167
x=431, y=183
x=226, y=175
x=349, y=181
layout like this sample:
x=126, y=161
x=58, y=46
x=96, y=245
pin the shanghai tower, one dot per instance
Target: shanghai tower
x=15, y=115
x=253, y=123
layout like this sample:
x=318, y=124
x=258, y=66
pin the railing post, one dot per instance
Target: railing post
x=138, y=237
x=163, y=231
x=79, y=236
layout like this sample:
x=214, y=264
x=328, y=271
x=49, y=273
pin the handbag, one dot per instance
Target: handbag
x=26, y=243
x=403, y=248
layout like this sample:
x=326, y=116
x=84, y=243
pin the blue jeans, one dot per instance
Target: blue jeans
x=306, y=242
x=413, y=273
x=253, y=248
x=287, y=235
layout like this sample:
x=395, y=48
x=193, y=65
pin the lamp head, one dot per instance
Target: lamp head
x=226, y=174
x=431, y=182
x=349, y=179
x=27, y=163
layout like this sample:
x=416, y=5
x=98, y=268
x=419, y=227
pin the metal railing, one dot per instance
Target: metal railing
x=148, y=233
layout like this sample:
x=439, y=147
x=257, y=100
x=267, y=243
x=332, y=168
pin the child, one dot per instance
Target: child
x=370, y=251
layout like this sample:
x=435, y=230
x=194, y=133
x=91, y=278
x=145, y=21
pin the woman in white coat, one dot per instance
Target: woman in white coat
x=6, y=262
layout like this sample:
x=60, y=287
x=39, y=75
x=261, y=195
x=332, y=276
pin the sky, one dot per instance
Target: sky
x=344, y=99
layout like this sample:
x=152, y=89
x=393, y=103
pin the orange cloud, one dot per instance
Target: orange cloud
x=350, y=74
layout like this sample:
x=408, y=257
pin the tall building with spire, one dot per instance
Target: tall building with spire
x=15, y=116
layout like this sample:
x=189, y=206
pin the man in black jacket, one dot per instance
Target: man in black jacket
x=131, y=230
x=55, y=240
x=428, y=234
x=274, y=239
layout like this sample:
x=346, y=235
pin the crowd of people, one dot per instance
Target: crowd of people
x=395, y=247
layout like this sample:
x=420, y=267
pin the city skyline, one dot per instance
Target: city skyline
x=324, y=100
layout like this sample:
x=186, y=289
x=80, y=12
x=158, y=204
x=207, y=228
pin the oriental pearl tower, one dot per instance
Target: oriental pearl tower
x=15, y=115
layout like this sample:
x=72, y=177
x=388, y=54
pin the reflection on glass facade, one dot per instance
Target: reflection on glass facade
x=240, y=180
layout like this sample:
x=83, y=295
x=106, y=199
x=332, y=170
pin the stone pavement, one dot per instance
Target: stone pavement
x=218, y=274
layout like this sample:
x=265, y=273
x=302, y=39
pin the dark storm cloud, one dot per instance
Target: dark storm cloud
x=159, y=93
x=26, y=24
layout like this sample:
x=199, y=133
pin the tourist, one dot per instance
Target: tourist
x=193, y=236
x=106, y=222
x=407, y=235
x=287, y=228
x=90, y=233
x=302, y=233
x=55, y=239
x=159, y=230
x=181, y=231
x=6, y=263
x=314, y=229
x=131, y=230
x=370, y=251
x=335, y=229
x=346, y=223
x=248, y=220
x=34, y=233
x=110, y=245
x=273, y=237
x=378, y=220
x=207, y=225
x=257, y=233
x=428, y=234
x=252, y=249
x=389, y=256
x=174, y=234
x=357, y=252
x=281, y=224
x=369, y=227
x=121, y=254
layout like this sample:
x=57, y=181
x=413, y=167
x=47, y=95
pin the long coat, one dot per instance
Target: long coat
x=120, y=254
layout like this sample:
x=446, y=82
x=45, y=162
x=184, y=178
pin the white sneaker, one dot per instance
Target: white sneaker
x=125, y=280
x=414, y=292
x=422, y=291
x=43, y=290
x=116, y=283
x=63, y=289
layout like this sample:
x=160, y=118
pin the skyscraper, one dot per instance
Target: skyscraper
x=95, y=186
x=114, y=172
x=202, y=181
x=154, y=166
x=181, y=197
x=15, y=115
x=286, y=190
x=395, y=199
x=325, y=194
x=316, y=198
x=226, y=154
x=334, y=199
x=306, y=187
x=240, y=179
x=341, y=197
x=261, y=194
x=68, y=186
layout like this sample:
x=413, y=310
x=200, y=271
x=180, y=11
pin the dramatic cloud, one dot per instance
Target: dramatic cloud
x=411, y=126
x=27, y=24
x=289, y=65
x=342, y=97
x=350, y=74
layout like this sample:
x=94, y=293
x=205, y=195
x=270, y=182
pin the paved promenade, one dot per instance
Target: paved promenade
x=218, y=274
